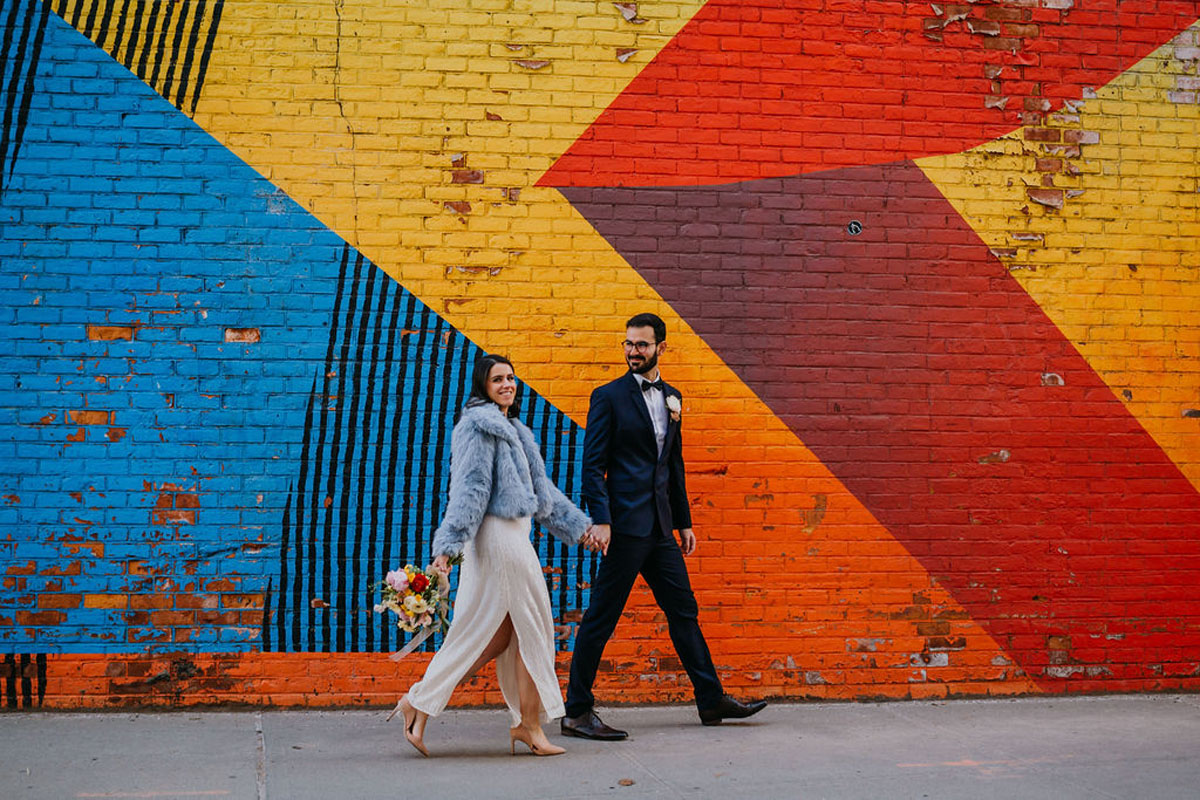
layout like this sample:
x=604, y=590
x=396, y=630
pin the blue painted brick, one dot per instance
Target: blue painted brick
x=156, y=234
x=115, y=201
x=38, y=248
x=26, y=199
x=88, y=250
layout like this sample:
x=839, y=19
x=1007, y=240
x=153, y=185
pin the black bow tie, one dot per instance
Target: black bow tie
x=648, y=385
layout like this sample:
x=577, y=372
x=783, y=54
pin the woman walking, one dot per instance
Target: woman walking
x=497, y=484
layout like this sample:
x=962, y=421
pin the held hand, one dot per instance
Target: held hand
x=442, y=565
x=600, y=536
x=687, y=541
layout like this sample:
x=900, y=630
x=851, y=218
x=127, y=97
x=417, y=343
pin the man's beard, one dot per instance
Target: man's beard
x=647, y=365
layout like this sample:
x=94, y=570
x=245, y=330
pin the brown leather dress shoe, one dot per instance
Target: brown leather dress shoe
x=590, y=726
x=728, y=708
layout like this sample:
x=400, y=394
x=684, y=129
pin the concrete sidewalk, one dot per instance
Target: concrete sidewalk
x=1144, y=746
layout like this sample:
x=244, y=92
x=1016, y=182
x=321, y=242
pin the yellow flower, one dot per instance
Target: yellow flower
x=415, y=604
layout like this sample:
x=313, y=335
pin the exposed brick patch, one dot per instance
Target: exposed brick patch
x=90, y=417
x=246, y=335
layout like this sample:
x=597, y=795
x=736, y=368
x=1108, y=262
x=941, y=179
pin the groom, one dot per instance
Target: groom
x=633, y=485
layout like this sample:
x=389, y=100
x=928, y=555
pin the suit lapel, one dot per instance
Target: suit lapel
x=672, y=425
x=639, y=403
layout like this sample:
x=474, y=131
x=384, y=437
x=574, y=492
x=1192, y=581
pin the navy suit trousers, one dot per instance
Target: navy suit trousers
x=660, y=561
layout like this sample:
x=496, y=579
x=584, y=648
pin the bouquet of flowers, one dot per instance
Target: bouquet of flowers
x=420, y=599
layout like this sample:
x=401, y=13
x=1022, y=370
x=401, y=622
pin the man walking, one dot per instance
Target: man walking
x=634, y=488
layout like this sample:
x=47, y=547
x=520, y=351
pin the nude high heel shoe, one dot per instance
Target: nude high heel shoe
x=519, y=734
x=404, y=708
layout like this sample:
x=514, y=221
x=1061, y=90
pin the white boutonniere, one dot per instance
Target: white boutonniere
x=675, y=407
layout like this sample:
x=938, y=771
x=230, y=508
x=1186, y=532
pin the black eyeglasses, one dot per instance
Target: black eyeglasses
x=641, y=347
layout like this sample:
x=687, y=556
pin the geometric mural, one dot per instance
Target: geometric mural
x=928, y=271
x=210, y=437
x=897, y=347
x=787, y=87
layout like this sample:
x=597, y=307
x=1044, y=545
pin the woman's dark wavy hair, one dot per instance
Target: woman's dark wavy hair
x=479, y=376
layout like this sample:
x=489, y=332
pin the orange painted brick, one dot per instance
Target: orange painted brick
x=109, y=333
x=89, y=417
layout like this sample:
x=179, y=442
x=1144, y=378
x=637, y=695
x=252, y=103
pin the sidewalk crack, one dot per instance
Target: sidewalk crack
x=261, y=761
x=628, y=756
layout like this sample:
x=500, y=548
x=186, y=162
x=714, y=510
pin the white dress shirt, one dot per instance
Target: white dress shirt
x=656, y=404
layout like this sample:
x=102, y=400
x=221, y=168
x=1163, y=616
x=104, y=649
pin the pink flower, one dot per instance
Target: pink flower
x=397, y=579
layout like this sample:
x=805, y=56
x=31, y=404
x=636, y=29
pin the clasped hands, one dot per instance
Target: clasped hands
x=597, y=537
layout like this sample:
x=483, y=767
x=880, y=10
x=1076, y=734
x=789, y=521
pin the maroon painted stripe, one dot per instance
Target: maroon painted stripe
x=926, y=379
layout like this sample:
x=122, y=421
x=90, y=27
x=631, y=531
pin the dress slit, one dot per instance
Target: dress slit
x=501, y=576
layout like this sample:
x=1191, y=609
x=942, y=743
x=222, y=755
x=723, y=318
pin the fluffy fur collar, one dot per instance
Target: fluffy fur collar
x=489, y=419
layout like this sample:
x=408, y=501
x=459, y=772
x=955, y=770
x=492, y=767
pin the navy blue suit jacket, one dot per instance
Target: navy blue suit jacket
x=626, y=483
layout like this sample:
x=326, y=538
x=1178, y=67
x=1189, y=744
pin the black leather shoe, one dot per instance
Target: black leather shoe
x=589, y=726
x=728, y=708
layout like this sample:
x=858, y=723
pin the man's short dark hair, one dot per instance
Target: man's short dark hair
x=648, y=320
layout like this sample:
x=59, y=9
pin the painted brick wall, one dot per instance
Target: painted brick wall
x=929, y=271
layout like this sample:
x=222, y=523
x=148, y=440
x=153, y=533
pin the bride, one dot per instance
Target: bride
x=497, y=484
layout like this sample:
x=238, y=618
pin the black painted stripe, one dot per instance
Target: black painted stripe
x=16, y=57
x=423, y=488
x=134, y=34
x=298, y=578
x=41, y=676
x=284, y=547
x=428, y=487
x=466, y=360
x=30, y=75
x=437, y=418
x=109, y=7
x=119, y=36
x=369, y=519
x=347, y=570
x=75, y=15
x=190, y=50
x=26, y=682
x=582, y=556
x=547, y=541
x=160, y=49
x=208, y=50
x=411, y=451
x=148, y=46
x=559, y=552
x=90, y=26
x=180, y=26
x=335, y=453
x=10, y=681
x=319, y=459
x=7, y=58
x=385, y=637
x=266, y=615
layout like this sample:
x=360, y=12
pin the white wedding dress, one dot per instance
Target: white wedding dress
x=500, y=575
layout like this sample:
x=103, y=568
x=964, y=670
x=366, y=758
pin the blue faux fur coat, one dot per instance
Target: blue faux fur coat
x=496, y=468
